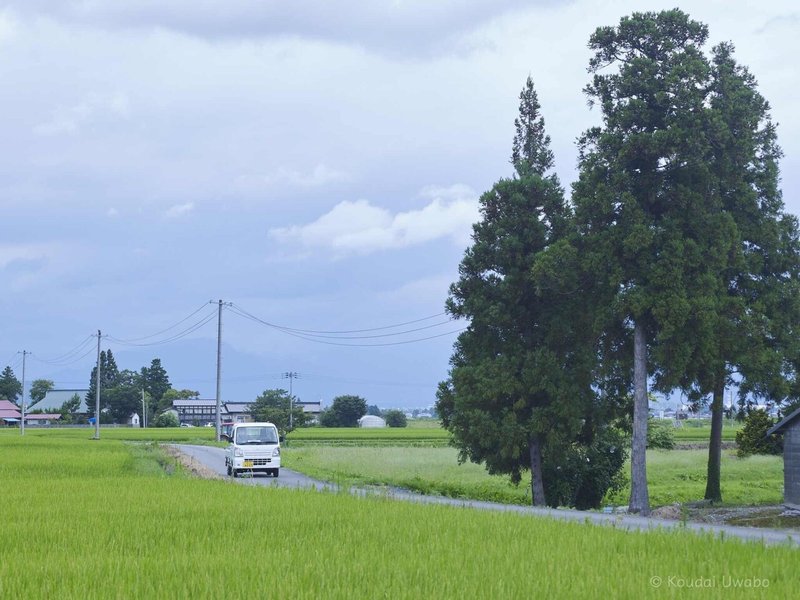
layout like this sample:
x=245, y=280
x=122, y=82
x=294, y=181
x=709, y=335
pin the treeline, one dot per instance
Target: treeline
x=278, y=407
x=673, y=262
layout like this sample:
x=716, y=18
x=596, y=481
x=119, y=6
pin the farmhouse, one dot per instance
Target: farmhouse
x=790, y=427
x=9, y=413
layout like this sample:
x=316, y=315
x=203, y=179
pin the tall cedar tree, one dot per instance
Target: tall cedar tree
x=517, y=378
x=638, y=201
x=10, y=387
x=109, y=377
x=747, y=321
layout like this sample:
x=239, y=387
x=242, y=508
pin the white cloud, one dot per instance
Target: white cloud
x=360, y=227
x=179, y=210
x=71, y=119
x=10, y=253
x=284, y=177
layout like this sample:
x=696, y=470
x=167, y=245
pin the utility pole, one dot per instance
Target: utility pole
x=144, y=410
x=97, y=392
x=219, y=370
x=22, y=423
x=291, y=375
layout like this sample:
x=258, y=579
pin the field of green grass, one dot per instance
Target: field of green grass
x=673, y=476
x=115, y=519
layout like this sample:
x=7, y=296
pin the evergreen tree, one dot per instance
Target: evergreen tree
x=519, y=392
x=275, y=406
x=640, y=202
x=749, y=323
x=10, y=387
x=109, y=377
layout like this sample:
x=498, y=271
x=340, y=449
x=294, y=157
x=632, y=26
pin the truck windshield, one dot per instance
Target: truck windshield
x=256, y=435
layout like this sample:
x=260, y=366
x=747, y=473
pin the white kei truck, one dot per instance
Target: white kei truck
x=254, y=448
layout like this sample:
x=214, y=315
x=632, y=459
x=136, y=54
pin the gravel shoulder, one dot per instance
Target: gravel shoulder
x=209, y=462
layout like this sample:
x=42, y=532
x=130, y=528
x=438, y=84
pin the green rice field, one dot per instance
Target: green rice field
x=673, y=476
x=117, y=519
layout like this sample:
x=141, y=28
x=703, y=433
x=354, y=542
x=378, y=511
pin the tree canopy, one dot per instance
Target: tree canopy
x=10, y=387
x=275, y=406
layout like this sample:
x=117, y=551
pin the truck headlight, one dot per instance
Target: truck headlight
x=238, y=452
x=276, y=452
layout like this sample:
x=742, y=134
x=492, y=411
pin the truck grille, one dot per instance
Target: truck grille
x=260, y=462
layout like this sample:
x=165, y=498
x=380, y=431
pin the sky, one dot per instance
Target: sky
x=316, y=166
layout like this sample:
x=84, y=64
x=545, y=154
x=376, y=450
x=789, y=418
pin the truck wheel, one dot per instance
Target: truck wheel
x=235, y=473
x=229, y=470
x=275, y=472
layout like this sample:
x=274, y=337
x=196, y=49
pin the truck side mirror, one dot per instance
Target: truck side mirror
x=225, y=437
x=281, y=438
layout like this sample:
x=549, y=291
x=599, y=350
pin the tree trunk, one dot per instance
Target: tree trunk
x=537, y=482
x=640, y=501
x=713, y=490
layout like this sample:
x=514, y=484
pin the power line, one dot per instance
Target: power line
x=313, y=338
x=67, y=355
x=182, y=334
x=132, y=340
x=319, y=341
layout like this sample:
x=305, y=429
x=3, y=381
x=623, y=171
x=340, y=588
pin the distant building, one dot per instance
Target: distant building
x=790, y=427
x=54, y=399
x=371, y=422
x=9, y=413
x=311, y=409
x=195, y=411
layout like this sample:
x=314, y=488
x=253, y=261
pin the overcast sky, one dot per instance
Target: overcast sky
x=315, y=163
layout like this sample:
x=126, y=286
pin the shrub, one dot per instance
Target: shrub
x=752, y=437
x=166, y=419
x=660, y=434
x=395, y=418
x=579, y=475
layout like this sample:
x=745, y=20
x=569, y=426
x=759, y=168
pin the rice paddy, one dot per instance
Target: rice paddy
x=116, y=519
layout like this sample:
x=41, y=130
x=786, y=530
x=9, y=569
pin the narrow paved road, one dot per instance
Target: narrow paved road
x=213, y=458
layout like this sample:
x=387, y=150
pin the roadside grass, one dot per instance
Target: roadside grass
x=673, y=476
x=188, y=435
x=96, y=519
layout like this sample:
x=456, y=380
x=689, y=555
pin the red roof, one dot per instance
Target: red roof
x=6, y=405
x=9, y=414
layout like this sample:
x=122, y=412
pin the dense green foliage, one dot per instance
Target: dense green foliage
x=345, y=411
x=660, y=434
x=39, y=389
x=10, y=387
x=275, y=406
x=395, y=418
x=519, y=395
x=166, y=419
x=338, y=546
x=752, y=437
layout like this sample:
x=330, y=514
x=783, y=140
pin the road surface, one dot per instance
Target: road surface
x=213, y=458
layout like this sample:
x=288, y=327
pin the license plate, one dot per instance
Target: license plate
x=248, y=463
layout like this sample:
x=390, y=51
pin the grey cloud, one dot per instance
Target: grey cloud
x=393, y=27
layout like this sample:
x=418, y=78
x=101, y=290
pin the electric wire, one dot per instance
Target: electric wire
x=67, y=355
x=152, y=335
x=301, y=333
x=182, y=334
x=324, y=332
x=330, y=343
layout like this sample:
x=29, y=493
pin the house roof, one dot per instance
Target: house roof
x=43, y=417
x=193, y=402
x=237, y=407
x=55, y=398
x=7, y=405
x=782, y=424
x=9, y=414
